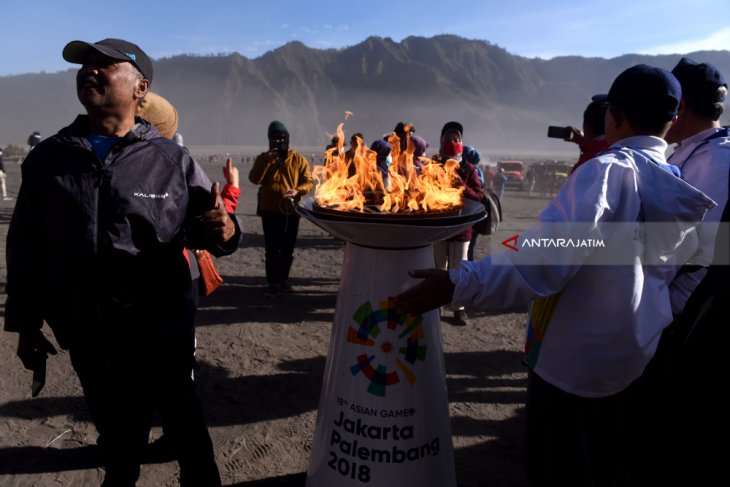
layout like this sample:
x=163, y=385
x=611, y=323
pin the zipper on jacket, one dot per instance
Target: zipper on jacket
x=100, y=175
x=102, y=193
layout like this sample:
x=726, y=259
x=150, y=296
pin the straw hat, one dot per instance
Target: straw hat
x=160, y=113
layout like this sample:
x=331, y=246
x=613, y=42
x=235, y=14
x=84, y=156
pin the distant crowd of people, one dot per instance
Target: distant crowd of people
x=624, y=361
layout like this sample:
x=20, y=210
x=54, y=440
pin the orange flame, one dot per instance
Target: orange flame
x=351, y=181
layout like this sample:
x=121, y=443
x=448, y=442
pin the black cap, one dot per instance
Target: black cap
x=276, y=127
x=645, y=89
x=700, y=82
x=452, y=126
x=77, y=51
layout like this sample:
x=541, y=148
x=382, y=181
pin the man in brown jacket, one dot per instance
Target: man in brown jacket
x=284, y=176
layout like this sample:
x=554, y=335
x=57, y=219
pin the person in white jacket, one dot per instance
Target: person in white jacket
x=703, y=154
x=594, y=272
x=694, y=341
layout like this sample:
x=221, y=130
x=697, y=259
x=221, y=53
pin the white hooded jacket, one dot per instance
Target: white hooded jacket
x=594, y=326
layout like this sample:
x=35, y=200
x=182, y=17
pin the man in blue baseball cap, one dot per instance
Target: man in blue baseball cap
x=95, y=250
x=78, y=52
x=592, y=329
x=699, y=293
x=703, y=155
x=643, y=100
x=649, y=95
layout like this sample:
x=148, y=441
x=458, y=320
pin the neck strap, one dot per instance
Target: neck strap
x=724, y=132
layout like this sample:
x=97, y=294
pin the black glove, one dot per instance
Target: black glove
x=33, y=350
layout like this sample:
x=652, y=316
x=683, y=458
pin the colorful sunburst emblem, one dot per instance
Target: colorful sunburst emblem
x=394, y=346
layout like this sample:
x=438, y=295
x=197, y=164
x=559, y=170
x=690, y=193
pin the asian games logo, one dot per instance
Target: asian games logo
x=394, y=343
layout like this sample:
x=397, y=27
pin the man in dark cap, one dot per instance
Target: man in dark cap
x=284, y=176
x=703, y=155
x=95, y=249
x=592, y=328
x=695, y=343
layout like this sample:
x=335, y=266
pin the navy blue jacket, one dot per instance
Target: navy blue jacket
x=90, y=238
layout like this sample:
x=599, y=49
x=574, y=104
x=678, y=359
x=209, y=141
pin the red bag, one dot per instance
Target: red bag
x=210, y=280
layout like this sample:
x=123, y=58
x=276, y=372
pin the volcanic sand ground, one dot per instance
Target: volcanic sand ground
x=261, y=366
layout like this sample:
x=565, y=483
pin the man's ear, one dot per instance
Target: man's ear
x=141, y=89
x=616, y=116
x=682, y=107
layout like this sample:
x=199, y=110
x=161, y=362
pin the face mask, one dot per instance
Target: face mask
x=388, y=161
x=452, y=149
x=280, y=145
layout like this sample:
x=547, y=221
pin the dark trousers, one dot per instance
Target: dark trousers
x=700, y=422
x=572, y=440
x=678, y=404
x=647, y=423
x=280, y=238
x=132, y=363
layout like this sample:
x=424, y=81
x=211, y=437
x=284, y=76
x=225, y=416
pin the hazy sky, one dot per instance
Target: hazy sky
x=33, y=32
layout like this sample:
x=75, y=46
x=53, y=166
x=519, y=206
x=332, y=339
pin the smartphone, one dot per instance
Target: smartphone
x=559, y=132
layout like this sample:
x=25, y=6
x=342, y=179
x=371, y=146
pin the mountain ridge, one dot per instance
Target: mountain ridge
x=503, y=100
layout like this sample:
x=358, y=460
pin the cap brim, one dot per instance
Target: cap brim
x=77, y=51
x=600, y=98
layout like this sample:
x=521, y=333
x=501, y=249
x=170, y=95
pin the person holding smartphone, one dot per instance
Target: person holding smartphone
x=591, y=140
x=284, y=177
